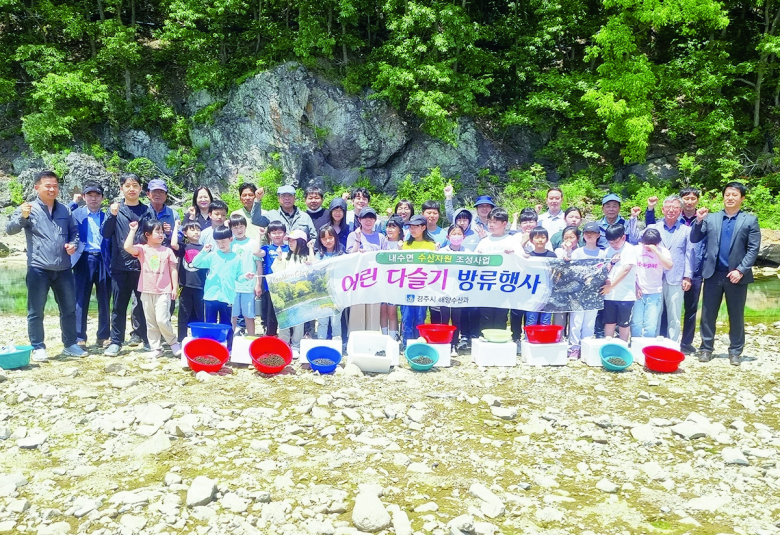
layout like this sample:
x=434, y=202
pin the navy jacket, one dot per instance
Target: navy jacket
x=82, y=223
x=743, y=249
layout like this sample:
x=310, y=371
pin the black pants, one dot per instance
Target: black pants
x=493, y=318
x=87, y=273
x=516, y=323
x=271, y=324
x=190, y=308
x=124, y=284
x=436, y=315
x=61, y=283
x=736, y=295
x=690, y=310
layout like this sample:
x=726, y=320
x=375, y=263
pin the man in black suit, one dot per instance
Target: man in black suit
x=732, y=242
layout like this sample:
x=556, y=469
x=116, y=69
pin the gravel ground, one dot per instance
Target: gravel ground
x=130, y=445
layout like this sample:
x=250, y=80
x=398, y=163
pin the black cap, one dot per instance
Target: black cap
x=92, y=188
x=418, y=220
x=367, y=212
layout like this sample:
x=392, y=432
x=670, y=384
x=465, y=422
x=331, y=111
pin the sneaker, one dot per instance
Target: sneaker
x=135, y=340
x=147, y=347
x=102, y=344
x=39, y=355
x=156, y=354
x=453, y=351
x=112, y=350
x=176, y=350
x=574, y=353
x=75, y=351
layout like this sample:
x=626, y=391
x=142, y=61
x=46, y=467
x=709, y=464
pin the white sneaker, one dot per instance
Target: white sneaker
x=39, y=355
x=155, y=354
x=176, y=350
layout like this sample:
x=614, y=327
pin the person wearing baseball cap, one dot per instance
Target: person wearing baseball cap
x=365, y=238
x=158, y=196
x=289, y=214
x=610, y=207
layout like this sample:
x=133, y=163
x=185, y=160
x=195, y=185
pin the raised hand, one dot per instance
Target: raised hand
x=259, y=194
x=538, y=208
x=635, y=211
x=192, y=213
x=114, y=208
x=701, y=213
x=651, y=202
x=207, y=247
x=26, y=207
x=133, y=225
x=76, y=197
x=448, y=191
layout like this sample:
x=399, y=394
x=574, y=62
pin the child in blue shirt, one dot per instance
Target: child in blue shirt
x=277, y=233
x=244, y=305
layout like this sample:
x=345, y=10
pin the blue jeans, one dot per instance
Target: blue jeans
x=223, y=311
x=646, y=315
x=61, y=283
x=411, y=317
x=538, y=318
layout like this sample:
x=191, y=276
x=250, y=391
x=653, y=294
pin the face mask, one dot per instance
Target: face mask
x=456, y=239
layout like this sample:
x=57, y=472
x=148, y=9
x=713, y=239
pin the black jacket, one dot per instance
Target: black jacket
x=116, y=228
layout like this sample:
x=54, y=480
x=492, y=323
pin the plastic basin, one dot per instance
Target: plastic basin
x=544, y=334
x=205, y=347
x=608, y=351
x=321, y=354
x=416, y=352
x=662, y=359
x=269, y=345
x=16, y=359
x=497, y=335
x=437, y=333
x=212, y=331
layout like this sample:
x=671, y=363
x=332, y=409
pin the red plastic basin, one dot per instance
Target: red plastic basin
x=437, y=333
x=268, y=345
x=544, y=334
x=662, y=359
x=202, y=347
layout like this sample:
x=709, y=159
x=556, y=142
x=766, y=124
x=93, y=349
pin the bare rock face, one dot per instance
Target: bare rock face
x=770, y=247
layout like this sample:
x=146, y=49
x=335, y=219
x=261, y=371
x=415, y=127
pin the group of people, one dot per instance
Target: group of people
x=143, y=256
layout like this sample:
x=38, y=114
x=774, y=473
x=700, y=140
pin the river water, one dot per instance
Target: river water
x=763, y=301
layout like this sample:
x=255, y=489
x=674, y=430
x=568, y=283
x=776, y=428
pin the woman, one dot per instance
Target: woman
x=573, y=218
x=336, y=219
x=199, y=211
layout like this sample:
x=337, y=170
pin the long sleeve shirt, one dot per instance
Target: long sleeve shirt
x=224, y=272
x=46, y=233
x=677, y=240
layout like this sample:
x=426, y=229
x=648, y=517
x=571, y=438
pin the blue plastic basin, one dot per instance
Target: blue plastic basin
x=326, y=353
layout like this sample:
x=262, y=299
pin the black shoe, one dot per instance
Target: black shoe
x=147, y=348
x=734, y=359
x=135, y=340
x=705, y=356
x=687, y=349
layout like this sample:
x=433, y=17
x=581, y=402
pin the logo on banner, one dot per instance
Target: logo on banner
x=409, y=298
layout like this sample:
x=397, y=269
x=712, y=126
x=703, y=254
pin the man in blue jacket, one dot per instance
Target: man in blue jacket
x=51, y=238
x=91, y=265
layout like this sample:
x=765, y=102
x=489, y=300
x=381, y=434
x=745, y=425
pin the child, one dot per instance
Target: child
x=218, y=214
x=583, y=322
x=244, y=305
x=573, y=218
x=299, y=252
x=455, y=239
x=158, y=283
x=529, y=220
x=569, y=243
x=277, y=235
x=219, y=290
x=329, y=247
x=419, y=239
x=539, y=239
x=388, y=314
x=431, y=211
x=652, y=260
x=620, y=289
x=364, y=237
x=496, y=243
x=191, y=279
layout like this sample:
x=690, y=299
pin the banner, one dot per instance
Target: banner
x=428, y=278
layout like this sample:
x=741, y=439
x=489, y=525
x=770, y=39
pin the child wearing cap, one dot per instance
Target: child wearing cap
x=419, y=239
x=364, y=237
x=583, y=322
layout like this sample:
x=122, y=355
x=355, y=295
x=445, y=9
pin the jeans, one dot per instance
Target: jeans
x=538, y=318
x=328, y=323
x=61, y=283
x=223, y=311
x=646, y=315
x=411, y=317
x=124, y=284
x=87, y=273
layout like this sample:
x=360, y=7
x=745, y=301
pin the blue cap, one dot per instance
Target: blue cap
x=367, y=212
x=591, y=227
x=610, y=197
x=484, y=199
x=156, y=184
x=285, y=189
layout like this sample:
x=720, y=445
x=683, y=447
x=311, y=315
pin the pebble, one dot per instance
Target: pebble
x=605, y=485
x=734, y=456
x=369, y=513
x=505, y=413
x=201, y=491
x=688, y=430
x=33, y=441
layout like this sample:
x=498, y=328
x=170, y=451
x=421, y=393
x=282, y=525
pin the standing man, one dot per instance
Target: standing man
x=247, y=192
x=320, y=216
x=610, y=207
x=360, y=199
x=52, y=237
x=125, y=268
x=675, y=236
x=732, y=241
x=158, y=196
x=289, y=214
x=91, y=265
x=554, y=218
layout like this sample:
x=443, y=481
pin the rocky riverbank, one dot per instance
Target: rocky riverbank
x=128, y=445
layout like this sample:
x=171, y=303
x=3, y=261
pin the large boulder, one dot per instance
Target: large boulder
x=769, y=254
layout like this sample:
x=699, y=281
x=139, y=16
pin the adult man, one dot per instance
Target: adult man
x=158, y=195
x=289, y=214
x=91, y=266
x=247, y=192
x=675, y=236
x=313, y=197
x=554, y=218
x=125, y=268
x=52, y=237
x=732, y=241
x=610, y=207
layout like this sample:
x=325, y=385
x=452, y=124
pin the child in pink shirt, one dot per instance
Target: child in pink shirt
x=158, y=284
x=651, y=261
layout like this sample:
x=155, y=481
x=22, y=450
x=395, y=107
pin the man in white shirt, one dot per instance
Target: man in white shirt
x=554, y=218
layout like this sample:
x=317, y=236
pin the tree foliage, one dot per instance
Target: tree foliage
x=604, y=83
